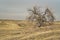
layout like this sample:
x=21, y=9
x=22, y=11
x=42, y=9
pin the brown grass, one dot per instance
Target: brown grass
x=24, y=30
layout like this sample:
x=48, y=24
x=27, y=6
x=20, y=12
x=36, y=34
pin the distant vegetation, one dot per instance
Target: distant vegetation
x=41, y=18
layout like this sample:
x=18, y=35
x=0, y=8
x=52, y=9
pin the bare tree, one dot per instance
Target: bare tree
x=36, y=15
x=39, y=17
x=50, y=16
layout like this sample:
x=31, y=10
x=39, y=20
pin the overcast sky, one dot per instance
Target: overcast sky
x=17, y=9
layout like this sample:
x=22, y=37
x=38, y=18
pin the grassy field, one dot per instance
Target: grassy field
x=25, y=30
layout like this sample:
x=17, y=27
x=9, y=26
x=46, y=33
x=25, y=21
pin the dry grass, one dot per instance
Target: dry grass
x=24, y=30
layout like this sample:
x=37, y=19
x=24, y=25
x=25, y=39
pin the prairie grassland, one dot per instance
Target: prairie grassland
x=25, y=30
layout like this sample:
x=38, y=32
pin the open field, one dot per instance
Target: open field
x=24, y=30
